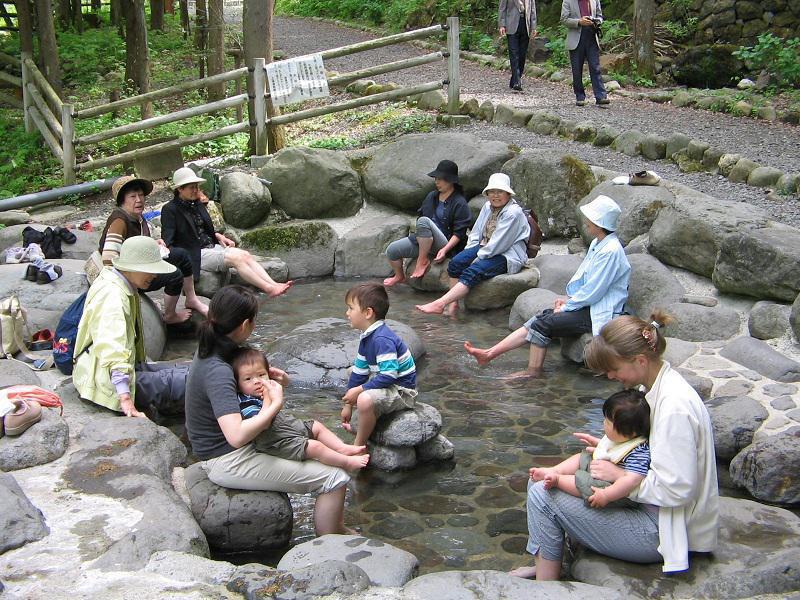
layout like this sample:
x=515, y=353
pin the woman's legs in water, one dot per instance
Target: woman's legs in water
x=253, y=273
x=329, y=512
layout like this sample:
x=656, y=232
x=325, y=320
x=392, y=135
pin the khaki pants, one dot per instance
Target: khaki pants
x=246, y=469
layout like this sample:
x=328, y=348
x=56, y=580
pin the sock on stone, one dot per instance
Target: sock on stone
x=48, y=268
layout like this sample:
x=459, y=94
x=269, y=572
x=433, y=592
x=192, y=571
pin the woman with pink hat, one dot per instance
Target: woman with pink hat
x=596, y=294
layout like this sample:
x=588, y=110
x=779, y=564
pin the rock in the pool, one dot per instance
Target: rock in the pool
x=438, y=448
x=528, y=304
x=735, y=420
x=408, y=427
x=502, y=290
x=332, y=578
x=770, y=469
x=42, y=443
x=20, y=521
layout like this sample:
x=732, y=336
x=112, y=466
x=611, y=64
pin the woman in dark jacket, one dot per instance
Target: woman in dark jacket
x=441, y=227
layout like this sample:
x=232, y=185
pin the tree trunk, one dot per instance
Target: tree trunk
x=64, y=14
x=257, y=30
x=643, y=17
x=184, y=7
x=25, y=25
x=137, y=54
x=216, y=47
x=116, y=14
x=77, y=15
x=157, y=15
x=48, y=48
x=201, y=33
x=169, y=7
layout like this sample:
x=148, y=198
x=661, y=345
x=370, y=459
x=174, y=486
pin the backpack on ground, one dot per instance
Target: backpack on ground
x=66, y=334
x=535, y=238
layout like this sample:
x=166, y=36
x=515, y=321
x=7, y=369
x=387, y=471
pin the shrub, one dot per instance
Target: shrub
x=777, y=56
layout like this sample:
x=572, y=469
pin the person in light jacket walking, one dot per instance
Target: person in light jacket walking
x=517, y=21
x=583, y=19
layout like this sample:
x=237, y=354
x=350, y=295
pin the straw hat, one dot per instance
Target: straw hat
x=603, y=212
x=140, y=254
x=499, y=181
x=185, y=176
x=126, y=181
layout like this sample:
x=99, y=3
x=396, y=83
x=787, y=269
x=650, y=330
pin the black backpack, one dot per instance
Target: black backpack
x=535, y=238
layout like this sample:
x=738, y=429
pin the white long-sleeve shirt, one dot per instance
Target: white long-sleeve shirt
x=682, y=480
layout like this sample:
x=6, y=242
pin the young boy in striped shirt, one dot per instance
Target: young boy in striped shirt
x=382, y=354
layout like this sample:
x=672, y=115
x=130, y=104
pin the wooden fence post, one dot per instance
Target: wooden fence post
x=453, y=76
x=260, y=105
x=26, y=97
x=68, y=143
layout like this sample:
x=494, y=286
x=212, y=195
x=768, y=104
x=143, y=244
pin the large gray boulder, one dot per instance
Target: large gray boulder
x=735, y=420
x=435, y=279
x=767, y=554
x=408, y=427
x=391, y=458
x=20, y=521
x=502, y=290
x=397, y=174
x=318, y=354
x=528, y=304
x=42, y=443
x=226, y=516
x=651, y=285
x=768, y=320
x=54, y=296
x=551, y=184
x=496, y=585
x=690, y=233
x=769, y=469
x=307, y=247
x=245, y=200
x=762, y=358
x=312, y=183
x=794, y=318
x=679, y=351
x=640, y=206
x=764, y=263
x=436, y=449
x=332, y=578
x=361, y=251
x=86, y=242
x=383, y=563
x=695, y=323
x=555, y=271
x=155, y=330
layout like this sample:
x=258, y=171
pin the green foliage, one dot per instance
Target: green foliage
x=27, y=164
x=472, y=39
x=557, y=44
x=612, y=30
x=682, y=30
x=777, y=56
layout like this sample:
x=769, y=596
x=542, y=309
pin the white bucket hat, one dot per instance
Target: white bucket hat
x=603, y=212
x=185, y=176
x=499, y=181
x=140, y=254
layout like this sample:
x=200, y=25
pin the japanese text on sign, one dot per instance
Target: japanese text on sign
x=297, y=79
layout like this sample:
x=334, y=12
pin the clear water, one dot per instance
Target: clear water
x=469, y=513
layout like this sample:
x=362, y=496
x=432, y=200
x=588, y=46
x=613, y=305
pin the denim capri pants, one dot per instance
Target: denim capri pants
x=471, y=272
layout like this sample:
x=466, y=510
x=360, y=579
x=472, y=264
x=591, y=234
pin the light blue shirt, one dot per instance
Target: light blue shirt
x=601, y=282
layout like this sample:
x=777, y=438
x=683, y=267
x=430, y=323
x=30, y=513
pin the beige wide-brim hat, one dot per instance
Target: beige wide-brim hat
x=119, y=186
x=140, y=254
x=499, y=181
x=603, y=212
x=185, y=176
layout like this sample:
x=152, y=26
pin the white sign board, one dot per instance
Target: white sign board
x=297, y=79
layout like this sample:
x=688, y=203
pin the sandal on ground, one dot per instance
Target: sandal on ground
x=66, y=235
x=27, y=413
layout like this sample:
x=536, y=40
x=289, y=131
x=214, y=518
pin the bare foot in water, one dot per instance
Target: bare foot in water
x=393, y=280
x=351, y=450
x=479, y=354
x=523, y=572
x=198, y=306
x=422, y=268
x=280, y=289
x=353, y=463
x=432, y=308
x=179, y=316
x=452, y=309
x=527, y=373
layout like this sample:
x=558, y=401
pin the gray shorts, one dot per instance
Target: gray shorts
x=584, y=482
x=391, y=399
x=213, y=259
x=287, y=437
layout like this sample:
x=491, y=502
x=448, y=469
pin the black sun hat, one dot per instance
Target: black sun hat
x=447, y=170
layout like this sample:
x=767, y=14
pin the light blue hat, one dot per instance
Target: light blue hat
x=603, y=212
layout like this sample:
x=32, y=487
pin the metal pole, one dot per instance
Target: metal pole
x=90, y=187
x=26, y=98
x=68, y=143
x=260, y=105
x=453, y=76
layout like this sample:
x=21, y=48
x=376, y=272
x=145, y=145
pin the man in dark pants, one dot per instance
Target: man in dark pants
x=582, y=19
x=517, y=21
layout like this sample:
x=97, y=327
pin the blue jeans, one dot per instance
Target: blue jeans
x=587, y=51
x=471, y=272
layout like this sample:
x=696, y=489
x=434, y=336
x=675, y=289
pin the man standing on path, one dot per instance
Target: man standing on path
x=517, y=21
x=583, y=19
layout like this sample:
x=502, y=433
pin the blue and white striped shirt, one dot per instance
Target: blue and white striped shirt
x=638, y=461
x=382, y=354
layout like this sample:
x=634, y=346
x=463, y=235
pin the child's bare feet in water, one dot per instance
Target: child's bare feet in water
x=353, y=463
x=527, y=373
x=393, y=280
x=351, y=449
x=479, y=354
x=524, y=572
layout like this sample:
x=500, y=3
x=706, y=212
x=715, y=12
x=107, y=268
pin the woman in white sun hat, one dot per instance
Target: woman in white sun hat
x=497, y=244
x=596, y=293
x=185, y=223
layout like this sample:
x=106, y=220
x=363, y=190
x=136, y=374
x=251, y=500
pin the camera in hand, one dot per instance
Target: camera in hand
x=597, y=22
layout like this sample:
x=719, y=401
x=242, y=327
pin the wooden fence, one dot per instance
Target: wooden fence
x=55, y=120
x=9, y=79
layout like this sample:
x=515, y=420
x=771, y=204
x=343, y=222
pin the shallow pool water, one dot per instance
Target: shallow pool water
x=468, y=513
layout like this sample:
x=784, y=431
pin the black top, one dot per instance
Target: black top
x=457, y=217
x=187, y=225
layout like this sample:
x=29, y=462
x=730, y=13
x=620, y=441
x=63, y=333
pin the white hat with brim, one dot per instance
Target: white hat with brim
x=185, y=176
x=140, y=254
x=499, y=181
x=603, y=212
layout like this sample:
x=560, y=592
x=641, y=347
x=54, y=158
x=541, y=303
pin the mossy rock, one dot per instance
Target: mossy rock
x=307, y=247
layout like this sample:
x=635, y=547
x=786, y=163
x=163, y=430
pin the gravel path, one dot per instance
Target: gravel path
x=770, y=144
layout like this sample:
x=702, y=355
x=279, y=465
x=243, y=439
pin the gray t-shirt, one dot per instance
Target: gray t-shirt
x=210, y=393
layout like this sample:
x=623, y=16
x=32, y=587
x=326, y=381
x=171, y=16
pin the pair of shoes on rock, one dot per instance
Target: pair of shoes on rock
x=66, y=235
x=43, y=272
x=25, y=414
x=638, y=178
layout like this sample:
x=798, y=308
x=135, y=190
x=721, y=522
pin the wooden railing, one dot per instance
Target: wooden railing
x=13, y=80
x=55, y=120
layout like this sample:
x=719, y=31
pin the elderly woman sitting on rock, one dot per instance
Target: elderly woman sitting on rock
x=186, y=224
x=126, y=221
x=596, y=293
x=444, y=218
x=497, y=244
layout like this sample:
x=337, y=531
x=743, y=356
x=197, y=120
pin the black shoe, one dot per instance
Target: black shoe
x=517, y=88
x=580, y=103
x=32, y=273
x=603, y=102
x=43, y=277
x=66, y=235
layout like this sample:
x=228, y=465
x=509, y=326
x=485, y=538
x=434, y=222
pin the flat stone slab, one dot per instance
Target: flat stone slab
x=20, y=521
x=329, y=579
x=41, y=443
x=695, y=323
x=762, y=358
x=383, y=563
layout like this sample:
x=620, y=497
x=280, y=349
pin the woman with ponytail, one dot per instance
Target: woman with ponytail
x=222, y=439
x=677, y=510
